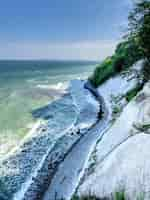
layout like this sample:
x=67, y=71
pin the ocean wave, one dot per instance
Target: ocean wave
x=58, y=86
x=32, y=80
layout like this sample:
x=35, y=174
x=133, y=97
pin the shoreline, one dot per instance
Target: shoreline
x=80, y=155
x=89, y=138
x=40, y=159
x=40, y=150
x=59, y=90
x=40, y=180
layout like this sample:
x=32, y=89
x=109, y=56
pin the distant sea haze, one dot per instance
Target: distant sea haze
x=27, y=85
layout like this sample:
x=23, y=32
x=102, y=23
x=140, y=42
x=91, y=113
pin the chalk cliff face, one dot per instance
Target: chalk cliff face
x=122, y=156
x=143, y=119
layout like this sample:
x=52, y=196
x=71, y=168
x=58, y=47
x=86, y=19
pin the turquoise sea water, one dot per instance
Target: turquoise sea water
x=28, y=85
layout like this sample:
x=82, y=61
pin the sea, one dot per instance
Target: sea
x=29, y=85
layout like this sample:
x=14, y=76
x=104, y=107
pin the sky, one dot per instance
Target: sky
x=61, y=29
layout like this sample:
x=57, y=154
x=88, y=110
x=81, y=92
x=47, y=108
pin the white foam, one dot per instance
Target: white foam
x=29, y=135
x=58, y=86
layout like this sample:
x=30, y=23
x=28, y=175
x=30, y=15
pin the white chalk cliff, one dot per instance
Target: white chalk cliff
x=123, y=154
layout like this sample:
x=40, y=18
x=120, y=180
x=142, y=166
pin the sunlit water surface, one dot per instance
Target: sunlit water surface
x=28, y=85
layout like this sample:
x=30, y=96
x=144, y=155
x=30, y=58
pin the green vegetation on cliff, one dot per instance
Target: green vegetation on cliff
x=116, y=196
x=133, y=92
x=126, y=54
x=139, y=27
x=136, y=46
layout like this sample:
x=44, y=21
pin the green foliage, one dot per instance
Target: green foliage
x=88, y=198
x=118, y=63
x=139, y=28
x=116, y=196
x=146, y=70
x=102, y=72
x=129, y=51
x=133, y=92
x=119, y=196
x=135, y=47
x=126, y=54
x=116, y=110
x=139, y=25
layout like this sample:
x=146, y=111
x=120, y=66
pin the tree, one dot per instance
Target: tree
x=139, y=29
x=139, y=26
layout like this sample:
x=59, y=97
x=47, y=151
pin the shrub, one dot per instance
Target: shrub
x=146, y=70
x=139, y=27
x=119, y=196
x=126, y=54
x=133, y=92
x=130, y=51
x=102, y=72
x=118, y=63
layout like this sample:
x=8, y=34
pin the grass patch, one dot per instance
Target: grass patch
x=119, y=196
x=88, y=198
x=116, y=196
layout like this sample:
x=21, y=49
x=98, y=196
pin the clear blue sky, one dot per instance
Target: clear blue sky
x=61, y=29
